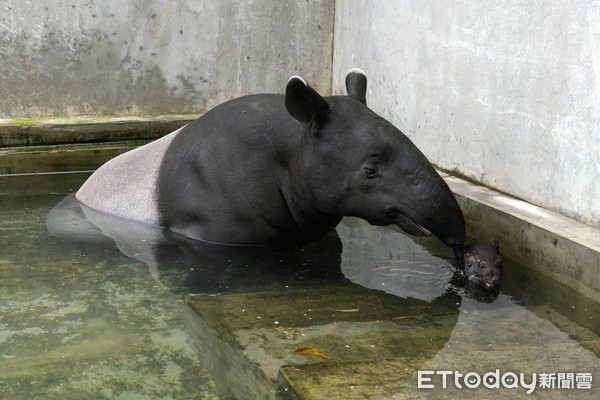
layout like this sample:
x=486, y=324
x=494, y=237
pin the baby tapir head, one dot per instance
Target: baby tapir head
x=358, y=164
x=481, y=264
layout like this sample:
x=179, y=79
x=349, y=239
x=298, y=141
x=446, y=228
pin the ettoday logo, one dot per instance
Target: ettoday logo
x=508, y=380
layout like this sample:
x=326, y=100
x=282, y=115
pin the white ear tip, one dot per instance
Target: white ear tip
x=296, y=77
x=356, y=71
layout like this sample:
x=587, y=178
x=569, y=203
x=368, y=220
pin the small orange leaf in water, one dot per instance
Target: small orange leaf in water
x=311, y=352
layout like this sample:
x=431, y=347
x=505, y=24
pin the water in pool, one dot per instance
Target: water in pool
x=84, y=316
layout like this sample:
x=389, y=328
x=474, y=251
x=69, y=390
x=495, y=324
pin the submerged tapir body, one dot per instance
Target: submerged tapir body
x=268, y=169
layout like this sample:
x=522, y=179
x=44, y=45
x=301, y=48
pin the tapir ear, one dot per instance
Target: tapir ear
x=356, y=85
x=304, y=104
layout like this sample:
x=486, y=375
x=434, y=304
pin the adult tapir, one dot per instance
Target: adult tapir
x=272, y=169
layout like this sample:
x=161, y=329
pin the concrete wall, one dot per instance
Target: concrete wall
x=506, y=92
x=155, y=56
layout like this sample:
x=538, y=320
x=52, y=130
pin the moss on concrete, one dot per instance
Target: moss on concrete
x=88, y=129
x=94, y=118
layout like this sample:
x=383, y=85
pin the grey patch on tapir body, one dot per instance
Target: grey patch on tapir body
x=128, y=183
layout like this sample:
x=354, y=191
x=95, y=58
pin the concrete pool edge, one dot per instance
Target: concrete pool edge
x=561, y=248
x=80, y=143
x=16, y=132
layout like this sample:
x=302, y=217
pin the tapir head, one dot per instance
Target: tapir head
x=355, y=163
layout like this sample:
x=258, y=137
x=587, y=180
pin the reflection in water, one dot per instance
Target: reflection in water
x=301, y=287
x=107, y=329
x=376, y=258
x=193, y=267
x=482, y=331
x=388, y=260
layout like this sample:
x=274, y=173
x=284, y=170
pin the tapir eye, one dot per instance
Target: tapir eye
x=369, y=172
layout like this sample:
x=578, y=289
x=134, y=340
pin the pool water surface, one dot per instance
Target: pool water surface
x=92, y=317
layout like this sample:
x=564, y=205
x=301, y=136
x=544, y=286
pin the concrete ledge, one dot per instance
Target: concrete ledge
x=61, y=158
x=44, y=145
x=88, y=129
x=549, y=243
x=251, y=340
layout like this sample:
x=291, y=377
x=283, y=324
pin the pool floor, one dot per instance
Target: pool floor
x=83, y=321
x=355, y=316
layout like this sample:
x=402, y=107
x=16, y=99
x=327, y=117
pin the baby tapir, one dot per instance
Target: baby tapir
x=270, y=168
x=480, y=264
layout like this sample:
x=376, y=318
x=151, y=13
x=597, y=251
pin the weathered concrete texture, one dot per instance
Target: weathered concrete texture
x=549, y=243
x=507, y=93
x=111, y=57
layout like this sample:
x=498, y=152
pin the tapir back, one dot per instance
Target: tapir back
x=225, y=177
x=220, y=178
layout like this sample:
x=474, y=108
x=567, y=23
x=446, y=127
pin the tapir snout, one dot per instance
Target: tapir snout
x=433, y=207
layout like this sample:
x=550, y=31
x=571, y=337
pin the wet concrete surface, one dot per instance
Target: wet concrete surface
x=361, y=333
